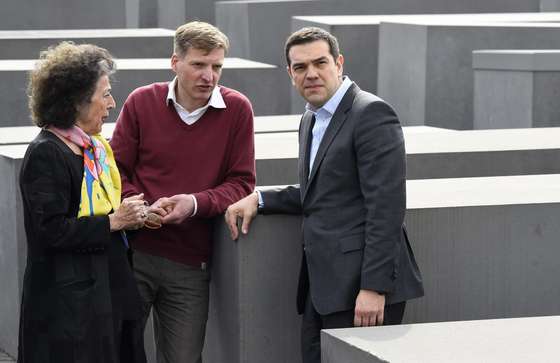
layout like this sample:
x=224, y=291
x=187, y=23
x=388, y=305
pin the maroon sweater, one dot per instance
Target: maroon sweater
x=160, y=155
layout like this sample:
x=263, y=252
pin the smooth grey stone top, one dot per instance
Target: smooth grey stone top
x=498, y=340
x=262, y=124
x=85, y=33
x=483, y=191
x=484, y=17
x=517, y=60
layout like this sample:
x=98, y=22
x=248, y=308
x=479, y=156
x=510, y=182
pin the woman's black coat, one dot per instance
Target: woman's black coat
x=80, y=302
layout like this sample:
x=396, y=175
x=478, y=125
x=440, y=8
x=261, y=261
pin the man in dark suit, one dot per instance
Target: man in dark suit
x=358, y=268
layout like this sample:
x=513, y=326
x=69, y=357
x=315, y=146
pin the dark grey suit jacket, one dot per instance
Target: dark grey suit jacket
x=353, y=205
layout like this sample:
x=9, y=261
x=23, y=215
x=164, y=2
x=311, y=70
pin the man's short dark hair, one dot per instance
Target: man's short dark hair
x=308, y=35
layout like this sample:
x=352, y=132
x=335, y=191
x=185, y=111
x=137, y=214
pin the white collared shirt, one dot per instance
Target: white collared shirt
x=216, y=100
x=323, y=116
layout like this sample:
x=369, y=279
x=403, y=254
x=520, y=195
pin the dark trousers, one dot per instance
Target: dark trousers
x=313, y=322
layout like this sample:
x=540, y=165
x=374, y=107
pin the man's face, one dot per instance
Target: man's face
x=198, y=72
x=314, y=72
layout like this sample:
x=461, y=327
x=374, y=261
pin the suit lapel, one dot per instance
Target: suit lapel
x=334, y=126
x=304, y=148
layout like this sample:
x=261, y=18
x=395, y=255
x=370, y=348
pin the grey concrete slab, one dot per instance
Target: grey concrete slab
x=486, y=246
x=359, y=38
x=265, y=85
x=550, y=5
x=62, y=14
x=516, y=88
x=498, y=340
x=258, y=29
x=12, y=246
x=123, y=43
x=428, y=77
x=435, y=154
x=431, y=152
x=262, y=125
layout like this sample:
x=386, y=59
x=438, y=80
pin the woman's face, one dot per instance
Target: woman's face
x=92, y=115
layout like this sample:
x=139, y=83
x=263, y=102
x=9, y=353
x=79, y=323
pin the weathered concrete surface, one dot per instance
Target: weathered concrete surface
x=122, y=43
x=428, y=78
x=263, y=84
x=486, y=248
x=258, y=29
x=500, y=340
x=433, y=153
x=12, y=246
x=62, y=14
x=516, y=88
x=358, y=36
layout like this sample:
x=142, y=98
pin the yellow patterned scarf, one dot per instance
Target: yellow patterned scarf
x=101, y=186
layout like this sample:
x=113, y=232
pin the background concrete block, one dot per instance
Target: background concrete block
x=501, y=340
x=428, y=77
x=434, y=153
x=122, y=43
x=62, y=14
x=550, y=5
x=258, y=29
x=263, y=84
x=516, y=88
x=358, y=36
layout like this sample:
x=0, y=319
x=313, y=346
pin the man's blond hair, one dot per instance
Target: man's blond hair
x=199, y=35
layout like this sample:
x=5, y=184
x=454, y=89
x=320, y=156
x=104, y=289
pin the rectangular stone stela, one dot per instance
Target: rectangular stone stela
x=516, y=88
x=499, y=340
x=487, y=248
x=428, y=78
x=121, y=43
x=262, y=83
x=358, y=36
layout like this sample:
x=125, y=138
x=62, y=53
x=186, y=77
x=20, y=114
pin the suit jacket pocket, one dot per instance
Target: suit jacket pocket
x=352, y=243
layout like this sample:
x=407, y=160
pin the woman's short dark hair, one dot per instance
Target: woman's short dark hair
x=65, y=78
x=308, y=35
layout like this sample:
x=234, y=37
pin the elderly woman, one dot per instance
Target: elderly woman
x=80, y=302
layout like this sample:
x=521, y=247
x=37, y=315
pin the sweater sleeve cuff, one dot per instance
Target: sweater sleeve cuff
x=195, y=209
x=202, y=204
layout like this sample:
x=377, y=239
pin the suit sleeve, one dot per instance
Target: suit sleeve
x=124, y=143
x=381, y=165
x=240, y=176
x=46, y=190
x=285, y=200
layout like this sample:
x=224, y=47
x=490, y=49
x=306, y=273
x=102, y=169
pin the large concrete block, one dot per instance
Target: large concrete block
x=486, y=247
x=62, y=14
x=122, y=43
x=516, y=88
x=258, y=29
x=435, y=153
x=262, y=125
x=12, y=246
x=428, y=77
x=263, y=84
x=358, y=36
x=501, y=340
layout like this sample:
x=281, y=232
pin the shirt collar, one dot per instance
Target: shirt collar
x=332, y=104
x=216, y=99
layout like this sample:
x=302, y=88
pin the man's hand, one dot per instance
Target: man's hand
x=246, y=209
x=369, y=308
x=176, y=208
